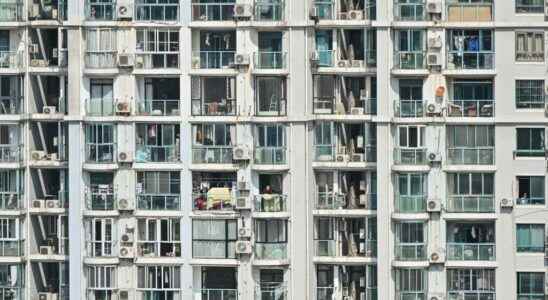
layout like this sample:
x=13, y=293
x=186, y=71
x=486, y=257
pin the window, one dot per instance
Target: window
x=411, y=284
x=324, y=140
x=530, y=6
x=161, y=97
x=471, y=48
x=11, y=186
x=530, y=46
x=530, y=286
x=213, y=96
x=100, y=143
x=270, y=95
x=410, y=94
x=100, y=237
x=410, y=241
x=324, y=48
x=101, y=9
x=270, y=55
x=324, y=93
x=325, y=286
x=471, y=98
x=270, y=144
x=157, y=48
x=159, y=282
x=101, y=282
x=530, y=237
x=411, y=192
x=410, y=49
x=157, y=143
x=10, y=148
x=272, y=285
x=409, y=10
x=410, y=145
x=530, y=94
x=471, y=241
x=217, y=50
x=530, y=142
x=471, y=144
x=159, y=237
x=471, y=283
x=214, y=238
x=530, y=190
x=101, y=98
x=101, y=48
x=157, y=10
x=10, y=236
x=158, y=190
x=270, y=239
x=100, y=194
x=212, y=143
x=470, y=192
x=12, y=280
x=220, y=185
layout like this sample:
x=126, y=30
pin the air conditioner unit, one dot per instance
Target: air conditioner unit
x=47, y=250
x=435, y=42
x=437, y=256
x=125, y=204
x=244, y=232
x=341, y=158
x=242, y=203
x=242, y=11
x=126, y=252
x=33, y=48
x=343, y=64
x=433, y=108
x=48, y=110
x=506, y=203
x=313, y=13
x=433, y=59
x=436, y=296
x=38, y=155
x=433, y=205
x=240, y=153
x=355, y=15
x=241, y=59
x=38, y=203
x=125, y=157
x=124, y=10
x=122, y=107
x=242, y=186
x=52, y=204
x=243, y=247
x=48, y=296
x=356, y=111
x=126, y=237
x=357, y=157
x=123, y=294
x=434, y=157
x=433, y=7
x=125, y=60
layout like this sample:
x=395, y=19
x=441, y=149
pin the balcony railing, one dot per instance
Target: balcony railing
x=471, y=108
x=326, y=10
x=410, y=156
x=474, y=11
x=470, y=60
x=157, y=60
x=159, y=107
x=270, y=203
x=467, y=294
x=327, y=153
x=409, y=108
x=324, y=248
x=410, y=251
x=269, y=10
x=329, y=248
x=100, y=59
x=329, y=200
x=212, y=59
x=213, y=11
x=100, y=107
x=471, y=156
x=326, y=293
x=103, y=11
x=326, y=58
x=327, y=105
x=159, y=248
x=273, y=291
x=410, y=60
x=10, y=105
x=101, y=200
x=212, y=154
x=409, y=11
x=157, y=12
x=270, y=251
x=217, y=200
x=100, y=248
x=100, y=153
x=471, y=251
x=213, y=249
x=410, y=203
x=215, y=294
x=150, y=153
x=270, y=155
x=530, y=200
x=222, y=107
x=11, y=11
x=270, y=60
x=471, y=203
x=10, y=153
x=11, y=59
x=158, y=201
x=12, y=247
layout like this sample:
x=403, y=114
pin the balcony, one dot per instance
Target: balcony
x=157, y=60
x=101, y=197
x=470, y=60
x=333, y=248
x=218, y=107
x=215, y=294
x=331, y=59
x=471, y=108
x=10, y=153
x=470, y=11
x=410, y=156
x=471, y=251
x=410, y=251
x=212, y=11
x=11, y=11
x=410, y=203
x=100, y=248
x=327, y=10
x=270, y=251
x=215, y=199
x=325, y=293
x=330, y=200
x=270, y=155
x=11, y=59
x=157, y=107
x=149, y=201
x=11, y=105
x=410, y=60
x=152, y=153
x=269, y=10
x=100, y=10
x=100, y=153
x=12, y=247
x=409, y=108
x=410, y=11
x=471, y=156
x=328, y=153
x=100, y=59
x=270, y=60
x=213, y=59
x=270, y=203
x=212, y=154
x=329, y=105
x=100, y=107
x=471, y=203
x=163, y=12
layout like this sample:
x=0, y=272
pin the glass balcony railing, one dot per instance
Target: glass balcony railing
x=324, y=247
x=471, y=251
x=414, y=11
x=101, y=11
x=410, y=60
x=99, y=107
x=469, y=11
x=100, y=199
x=410, y=156
x=10, y=105
x=327, y=105
x=410, y=251
x=213, y=11
x=270, y=155
x=11, y=59
x=326, y=293
x=157, y=60
x=409, y=108
x=270, y=60
x=215, y=294
x=471, y=203
x=470, y=60
x=327, y=153
x=270, y=203
x=218, y=199
x=269, y=10
x=150, y=201
x=271, y=292
x=10, y=153
x=151, y=153
x=270, y=251
x=11, y=11
x=100, y=59
x=156, y=11
x=100, y=153
x=100, y=248
x=329, y=200
x=212, y=59
x=329, y=248
x=12, y=247
x=471, y=108
x=410, y=203
x=530, y=152
x=209, y=107
x=159, y=107
x=159, y=248
x=528, y=200
x=326, y=58
x=487, y=295
x=212, y=154
x=471, y=156
x=213, y=249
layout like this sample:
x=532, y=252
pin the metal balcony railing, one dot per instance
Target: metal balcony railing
x=410, y=251
x=212, y=154
x=270, y=203
x=100, y=153
x=12, y=247
x=269, y=10
x=212, y=59
x=156, y=11
x=471, y=251
x=150, y=201
x=11, y=59
x=159, y=107
x=410, y=203
x=410, y=156
x=215, y=294
x=159, y=248
x=275, y=291
x=11, y=105
x=151, y=153
x=325, y=293
x=100, y=59
x=100, y=200
x=471, y=156
x=409, y=108
x=213, y=11
x=471, y=108
x=11, y=11
x=327, y=105
x=209, y=107
x=10, y=153
x=327, y=153
x=471, y=60
x=409, y=11
x=471, y=203
x=410, y=60
x=270, y=60
x=157, y=60
x=100, y=248
x=329, y=200
x=270, y=155
x=270, y=251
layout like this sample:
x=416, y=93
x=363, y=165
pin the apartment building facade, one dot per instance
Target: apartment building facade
x=359, y=149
